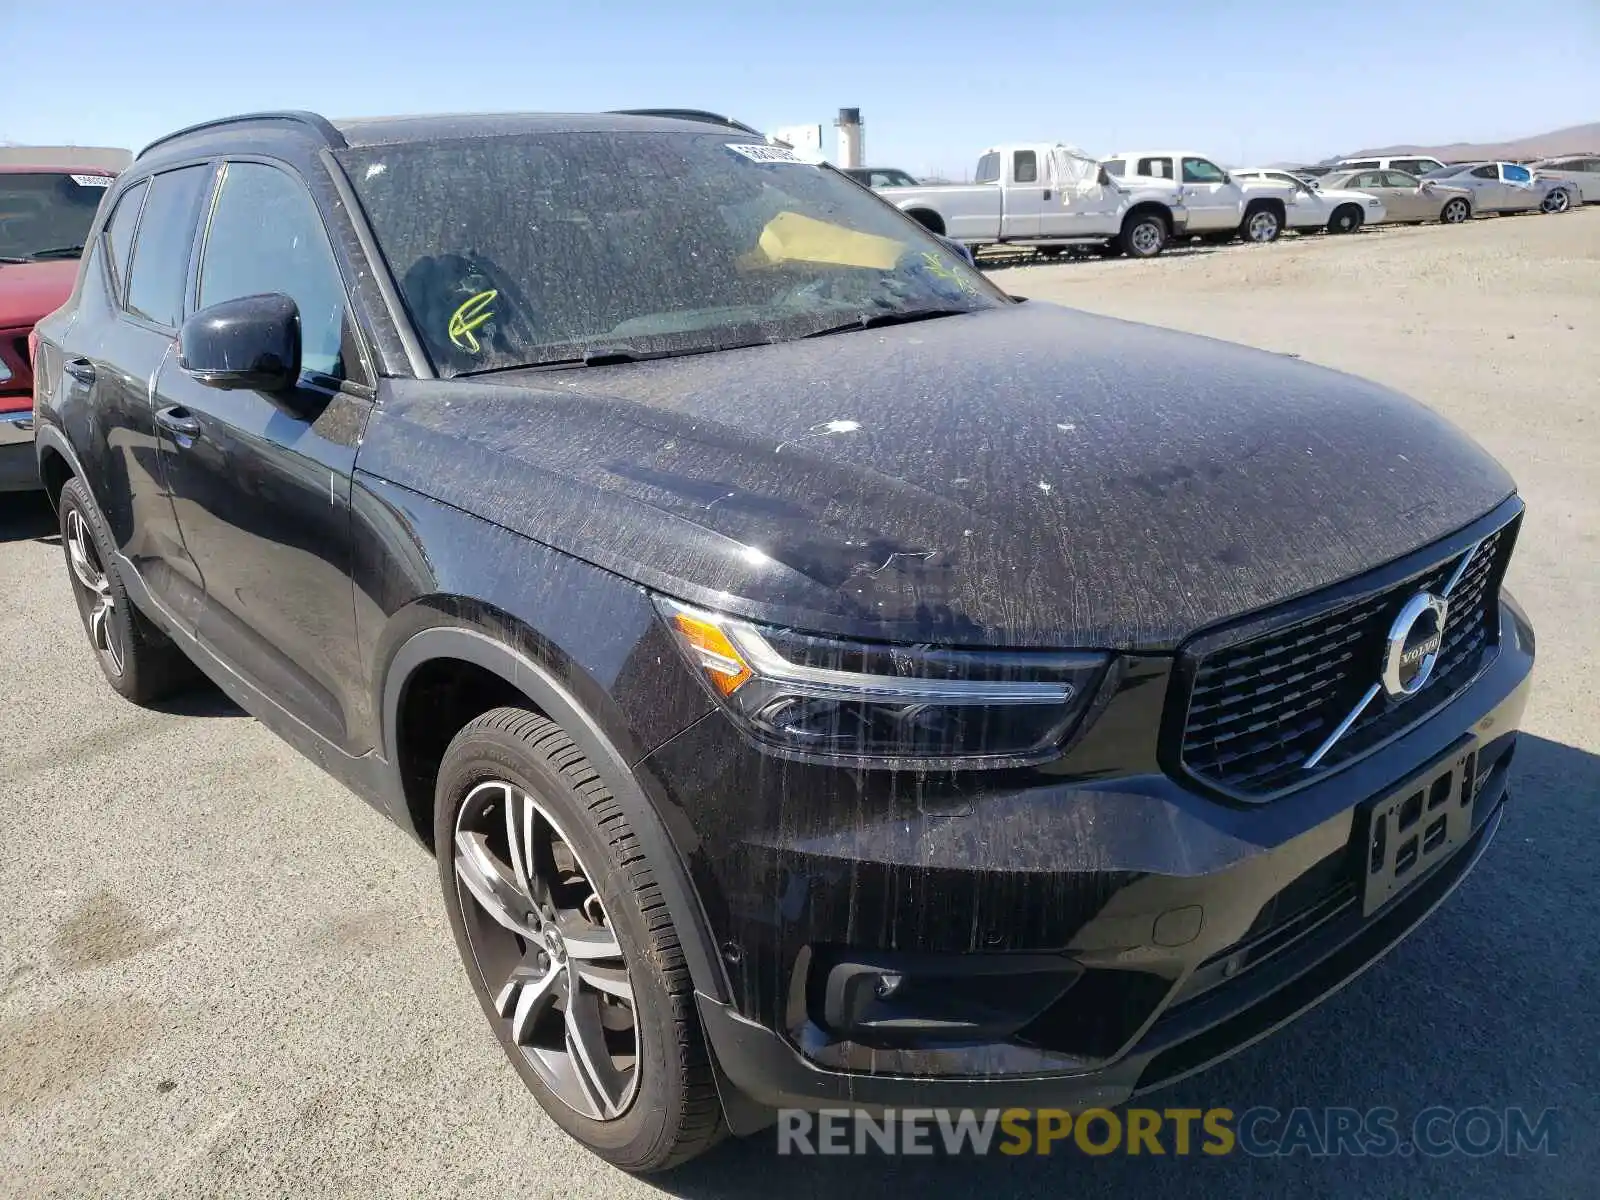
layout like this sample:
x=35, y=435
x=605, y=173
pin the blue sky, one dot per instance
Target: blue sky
x=1240, y=81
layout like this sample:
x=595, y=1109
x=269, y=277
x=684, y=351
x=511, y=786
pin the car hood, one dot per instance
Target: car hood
x=29, y=291
x=1026, y=476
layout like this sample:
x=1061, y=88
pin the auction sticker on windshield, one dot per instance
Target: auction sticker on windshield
x=92, y=180
x=768, y=154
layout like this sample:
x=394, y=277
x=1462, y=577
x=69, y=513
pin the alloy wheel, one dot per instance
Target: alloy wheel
x=1262, y=227
x=546, y=950
x=89, y=575
x=1557, y=201
x=1455, y=212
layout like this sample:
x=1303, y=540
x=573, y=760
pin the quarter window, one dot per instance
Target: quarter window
x=1114, y=166
x=1161, y=168
x=1200, y=170
x=119, y=236
x=266, y=236
x=1025, y=166
x=160, y=268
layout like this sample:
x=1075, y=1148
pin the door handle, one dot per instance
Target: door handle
x=176, y=419
x=80, y=369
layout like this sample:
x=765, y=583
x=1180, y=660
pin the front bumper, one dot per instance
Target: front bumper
x=19, y=470
x=1198, y=925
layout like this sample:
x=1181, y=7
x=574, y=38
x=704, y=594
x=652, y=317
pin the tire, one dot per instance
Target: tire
x=1049, y=251
x=139, y=661
x=1558, y=201
x=1346, y=219
x=1455, y=211
x=1261, y=226
x=1111, y=249
x=667, y=1111
x=1144, y=235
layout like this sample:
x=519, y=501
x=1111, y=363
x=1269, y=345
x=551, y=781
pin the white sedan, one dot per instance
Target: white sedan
x=1276, y=200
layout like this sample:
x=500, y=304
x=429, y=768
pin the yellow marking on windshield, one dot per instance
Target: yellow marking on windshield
x=473, y=312
x=791, y=237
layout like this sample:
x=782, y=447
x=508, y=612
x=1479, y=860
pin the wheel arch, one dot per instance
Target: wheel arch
x=57, y=464
x=927, y=218
x=541, y=689
x=1147, y=208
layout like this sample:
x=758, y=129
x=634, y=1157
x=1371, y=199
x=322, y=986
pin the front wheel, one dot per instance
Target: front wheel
x=1143, y=236
x=1557, y=201
x=1455, y=212
x=568, y=943
x=1345, y=220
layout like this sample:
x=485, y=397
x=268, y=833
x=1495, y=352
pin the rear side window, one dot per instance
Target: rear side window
x=988, y=169
x=119, y=236
x=1487, y=171
x=1363, y=165
x=1161, y=168
x=1025, y=166
x=267, y=236
x=161, y=251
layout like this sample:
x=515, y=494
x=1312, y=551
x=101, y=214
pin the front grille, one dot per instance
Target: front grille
x=1258, y=709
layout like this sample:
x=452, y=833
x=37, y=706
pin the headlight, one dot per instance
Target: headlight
x=879, y=705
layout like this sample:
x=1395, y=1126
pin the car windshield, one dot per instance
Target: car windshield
x=47, y=214
x=516, y=251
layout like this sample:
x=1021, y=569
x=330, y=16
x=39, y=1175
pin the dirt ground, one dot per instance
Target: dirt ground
x=223, y=975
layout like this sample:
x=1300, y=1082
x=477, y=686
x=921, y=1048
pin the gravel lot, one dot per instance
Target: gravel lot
x=222, y=975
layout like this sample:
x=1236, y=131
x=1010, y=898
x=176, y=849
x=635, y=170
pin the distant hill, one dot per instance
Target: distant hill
x=1578, y=139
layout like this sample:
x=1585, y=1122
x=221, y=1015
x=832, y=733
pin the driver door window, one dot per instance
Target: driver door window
x=1199, y=170
x=1159, y=168
x=267, y=236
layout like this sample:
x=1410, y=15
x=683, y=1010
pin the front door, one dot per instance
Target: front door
x=261, y=483
x=1517, y=183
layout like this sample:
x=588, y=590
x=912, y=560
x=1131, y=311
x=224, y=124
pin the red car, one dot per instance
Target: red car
x=45, y=215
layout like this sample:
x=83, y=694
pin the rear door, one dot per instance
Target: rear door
x=1519, y=190
x=133, y=297
x=261, y=483
x=1024, y=195
x=1403, y=196
x=1485, y=182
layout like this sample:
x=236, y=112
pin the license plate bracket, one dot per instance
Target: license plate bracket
x=1417, y=826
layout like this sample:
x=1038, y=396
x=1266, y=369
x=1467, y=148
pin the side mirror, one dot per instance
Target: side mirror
x=250, y=343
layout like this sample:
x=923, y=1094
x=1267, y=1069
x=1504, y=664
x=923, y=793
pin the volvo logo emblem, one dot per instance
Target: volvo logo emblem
x=1412, y=648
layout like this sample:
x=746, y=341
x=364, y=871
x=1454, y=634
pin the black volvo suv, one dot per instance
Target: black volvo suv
x=823, y=679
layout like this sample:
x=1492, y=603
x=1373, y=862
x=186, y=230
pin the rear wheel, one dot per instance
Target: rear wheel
x=1346, y=219
x=1262, y=225
x=138, y=660
x=1143, y=235
x=568, y=943
x=1455, y=211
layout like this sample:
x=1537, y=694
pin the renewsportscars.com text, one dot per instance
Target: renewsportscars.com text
x=1433, y=1132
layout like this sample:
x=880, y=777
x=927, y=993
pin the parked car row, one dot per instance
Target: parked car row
x=1052, y=197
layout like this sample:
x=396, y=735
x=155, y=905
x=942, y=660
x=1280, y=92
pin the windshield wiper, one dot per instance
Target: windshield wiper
x=878, y=320
x=12, y=258
x=56, y=252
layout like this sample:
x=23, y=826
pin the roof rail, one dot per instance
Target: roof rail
x=319, y=124
x=689, y=114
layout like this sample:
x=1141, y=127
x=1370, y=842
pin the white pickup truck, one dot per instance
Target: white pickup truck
x=1048, y=196
x=1216, y=203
